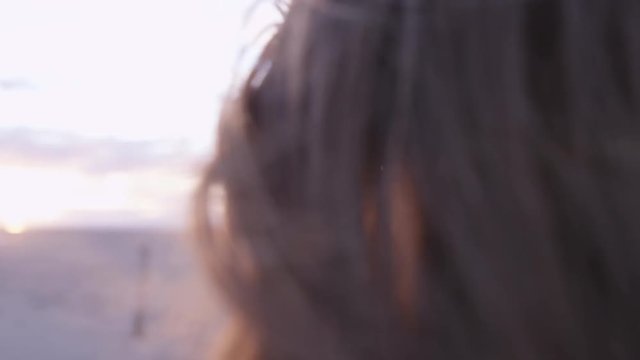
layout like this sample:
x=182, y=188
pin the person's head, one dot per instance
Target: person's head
x=435, y=179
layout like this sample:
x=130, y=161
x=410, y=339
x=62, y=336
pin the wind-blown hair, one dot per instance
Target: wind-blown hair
x=434, y=179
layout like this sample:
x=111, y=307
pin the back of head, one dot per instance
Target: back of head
x=438, y=179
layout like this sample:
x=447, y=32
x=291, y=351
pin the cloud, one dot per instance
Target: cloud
x=15, y=84
x=95, y=156
x=57, y=179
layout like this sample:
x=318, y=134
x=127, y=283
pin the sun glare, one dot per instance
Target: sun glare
x=37, y=196
x=15, y=229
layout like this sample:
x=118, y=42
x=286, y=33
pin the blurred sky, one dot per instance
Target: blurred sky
x=108, y=106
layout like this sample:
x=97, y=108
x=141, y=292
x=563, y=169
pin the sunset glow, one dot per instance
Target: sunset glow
x=52, y=196
x=34, y=196
x=99, y=131
x=15, y=229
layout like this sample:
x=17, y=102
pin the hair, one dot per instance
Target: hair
x=434, y=179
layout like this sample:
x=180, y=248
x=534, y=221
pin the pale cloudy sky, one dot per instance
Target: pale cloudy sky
x=107, y=106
